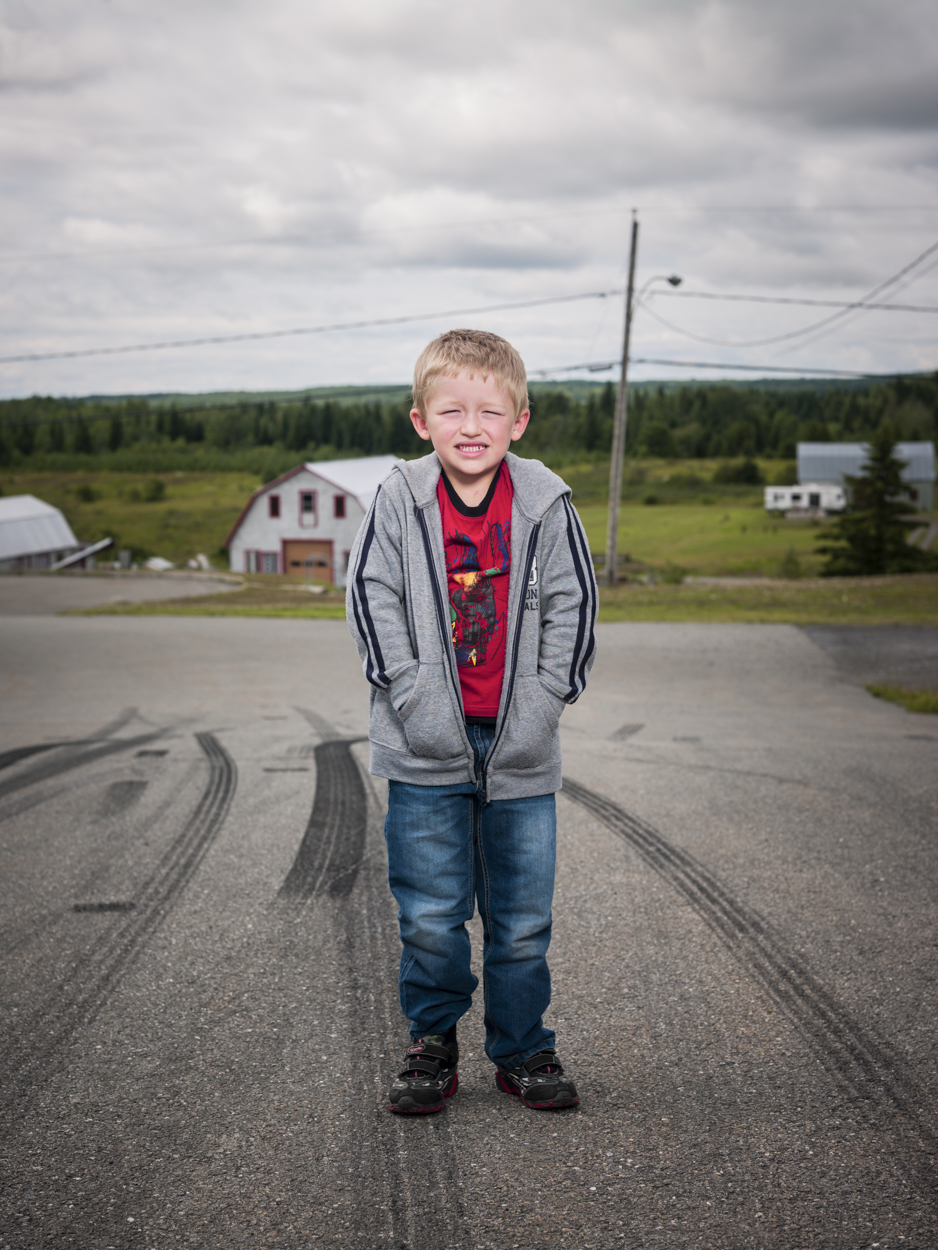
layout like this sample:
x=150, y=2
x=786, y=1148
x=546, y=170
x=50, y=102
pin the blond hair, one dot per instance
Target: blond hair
x=476, y=351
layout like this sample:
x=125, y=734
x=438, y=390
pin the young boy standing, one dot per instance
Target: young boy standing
x=472, y=601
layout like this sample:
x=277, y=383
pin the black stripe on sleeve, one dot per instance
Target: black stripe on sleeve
x=592, y=604
x=374, y=666
x=576, y=680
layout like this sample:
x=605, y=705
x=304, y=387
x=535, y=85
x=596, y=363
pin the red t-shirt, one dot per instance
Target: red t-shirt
x=477, y=542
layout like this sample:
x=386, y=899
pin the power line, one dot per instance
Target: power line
x=600, y=367
x=207, y=409
x=279, y=334
x=857, y=306
x=783, y=299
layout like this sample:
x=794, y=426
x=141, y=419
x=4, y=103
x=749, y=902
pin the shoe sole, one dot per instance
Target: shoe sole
x=552, y=1105
x=418, y=1110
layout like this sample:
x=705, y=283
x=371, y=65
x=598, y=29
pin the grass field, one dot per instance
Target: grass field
x=924, y=701
x=720, y=539
x=908, y=600
x=701, y=527
x=697, y=527
x=196, y=514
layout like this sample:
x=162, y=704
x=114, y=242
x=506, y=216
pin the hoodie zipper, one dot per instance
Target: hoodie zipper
x=447, y=640
x=528, y=561
x=445, y=634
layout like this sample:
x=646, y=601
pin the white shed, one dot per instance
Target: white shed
x=304, y=523
x=33, y=534
x=812, y=498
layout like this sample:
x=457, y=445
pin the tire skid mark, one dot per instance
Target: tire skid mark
x=333, y=845
x=419, y=1160
x=75, y=756
x=844, y=1047
x=417, y=1155
x=9, y=758
x=86, y=986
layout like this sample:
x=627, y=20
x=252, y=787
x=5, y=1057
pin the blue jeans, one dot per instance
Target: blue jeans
x=447, y=849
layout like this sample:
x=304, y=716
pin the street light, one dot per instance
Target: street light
x=622, y=410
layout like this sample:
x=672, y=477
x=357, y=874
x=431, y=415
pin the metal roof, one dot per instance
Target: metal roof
x=29, y=527
x=360, y=478
x=832, y=462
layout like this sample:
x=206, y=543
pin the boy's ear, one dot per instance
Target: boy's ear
x=420, y=423
x=519, y=426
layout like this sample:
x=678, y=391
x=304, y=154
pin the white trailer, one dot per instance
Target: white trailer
x=813, y=497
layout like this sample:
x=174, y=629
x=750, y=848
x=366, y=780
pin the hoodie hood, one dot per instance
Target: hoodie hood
x=535, y=486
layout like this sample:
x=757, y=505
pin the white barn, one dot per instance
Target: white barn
x=304, y=523
x=33, y=534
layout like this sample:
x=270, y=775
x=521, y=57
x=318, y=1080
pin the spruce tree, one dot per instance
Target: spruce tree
x=870, y=535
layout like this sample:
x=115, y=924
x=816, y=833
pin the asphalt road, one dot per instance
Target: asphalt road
x=44, y=594
x=199, y=955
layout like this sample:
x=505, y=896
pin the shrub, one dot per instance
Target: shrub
x=154, y=491
x=744, y=473
x=790, y=567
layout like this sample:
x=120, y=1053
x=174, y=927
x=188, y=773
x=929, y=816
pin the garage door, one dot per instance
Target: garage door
x=311, y=561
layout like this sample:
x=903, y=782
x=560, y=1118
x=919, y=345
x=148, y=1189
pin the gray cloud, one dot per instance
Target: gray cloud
x=380, y=130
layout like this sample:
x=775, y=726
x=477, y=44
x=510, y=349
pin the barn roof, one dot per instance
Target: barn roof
x=359, y=478
x=30, y=527
x=832, y=462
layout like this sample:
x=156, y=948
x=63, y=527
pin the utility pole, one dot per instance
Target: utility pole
x=619, y=426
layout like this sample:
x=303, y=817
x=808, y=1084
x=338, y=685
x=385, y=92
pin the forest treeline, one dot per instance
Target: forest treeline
x=568, y=425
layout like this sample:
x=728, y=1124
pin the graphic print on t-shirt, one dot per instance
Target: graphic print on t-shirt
x=476, y=622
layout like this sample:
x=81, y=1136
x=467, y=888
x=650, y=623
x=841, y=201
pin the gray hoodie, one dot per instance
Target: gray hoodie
x=398, y=613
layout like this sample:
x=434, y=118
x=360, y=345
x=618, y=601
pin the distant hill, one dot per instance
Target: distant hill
x=267, y=432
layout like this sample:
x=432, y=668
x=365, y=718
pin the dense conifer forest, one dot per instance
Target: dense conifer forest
x=571, y=423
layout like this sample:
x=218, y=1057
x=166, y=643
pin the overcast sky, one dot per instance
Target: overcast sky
x=178, y=170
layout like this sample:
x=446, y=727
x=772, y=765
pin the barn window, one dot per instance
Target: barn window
x=273, y=505
x=338, y=505
x=308, y=507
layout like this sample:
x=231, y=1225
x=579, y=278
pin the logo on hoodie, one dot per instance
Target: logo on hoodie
x=531, y=597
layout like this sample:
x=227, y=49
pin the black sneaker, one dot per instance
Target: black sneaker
x=428, y=1077
x=539, y=1082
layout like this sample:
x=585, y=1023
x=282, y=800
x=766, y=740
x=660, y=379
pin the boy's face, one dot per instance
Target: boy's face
x=471, y=423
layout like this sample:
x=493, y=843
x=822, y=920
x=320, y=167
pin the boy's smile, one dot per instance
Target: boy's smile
x=471, y=422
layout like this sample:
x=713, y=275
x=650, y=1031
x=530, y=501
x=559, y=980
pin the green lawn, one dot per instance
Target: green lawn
x=196, y=514
x=903, y=600
x=725, y=538
x=908, y=600
x=731, y=534
x=924, y=701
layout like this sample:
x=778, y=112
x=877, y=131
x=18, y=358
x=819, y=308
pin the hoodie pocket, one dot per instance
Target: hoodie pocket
x=430, y=726
x=530, y=737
